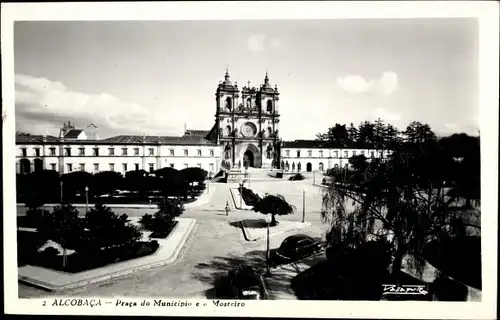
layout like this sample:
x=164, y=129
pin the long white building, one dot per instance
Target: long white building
x=245, y=132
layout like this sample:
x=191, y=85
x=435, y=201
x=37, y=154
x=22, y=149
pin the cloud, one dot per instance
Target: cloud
x=385, y=85
x=355, y=84
x=43, y=104
x=275, y=43
x=386, y=115
x=256, y=43
x=260, y=42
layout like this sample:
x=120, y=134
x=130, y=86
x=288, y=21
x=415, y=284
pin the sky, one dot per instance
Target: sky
x=155, y=77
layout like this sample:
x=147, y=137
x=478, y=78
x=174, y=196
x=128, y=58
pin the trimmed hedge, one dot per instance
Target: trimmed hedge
x=250, y=197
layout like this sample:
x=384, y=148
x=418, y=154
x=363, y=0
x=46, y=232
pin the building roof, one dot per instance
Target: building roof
x=184, y=140
x=73, y=134
x=312, y=144
x=28, y=138
x=122, y=139
x=198, y=133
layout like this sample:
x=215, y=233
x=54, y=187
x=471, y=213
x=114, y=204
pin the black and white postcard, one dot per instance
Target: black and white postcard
x=185, y=158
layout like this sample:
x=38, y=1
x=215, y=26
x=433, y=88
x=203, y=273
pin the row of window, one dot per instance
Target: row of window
x=336, y=153
x=111, y=152
x=125, y=168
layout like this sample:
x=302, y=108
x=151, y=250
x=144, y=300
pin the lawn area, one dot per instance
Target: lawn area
x=30, y=241
x=83, y=261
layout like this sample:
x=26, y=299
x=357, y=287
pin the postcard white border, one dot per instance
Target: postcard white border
x=486, y=12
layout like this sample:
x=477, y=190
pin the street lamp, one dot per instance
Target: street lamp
x=61, y=192
x=208, y=182
x=87, y=199
x=303, y=205
x=268, y=256
x=314, y=177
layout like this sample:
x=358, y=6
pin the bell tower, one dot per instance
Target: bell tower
x=226, y=98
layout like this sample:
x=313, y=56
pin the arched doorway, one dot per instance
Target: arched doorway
x=252, y=156
x=25, y=166
x=308, y=167
x=248, y=159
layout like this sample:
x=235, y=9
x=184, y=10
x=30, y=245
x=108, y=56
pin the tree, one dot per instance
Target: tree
x=106, y=182
x=417, y=132
x=75, y=182
x=366, y=134
x=137, y=181
x=391, y=137
x=397, y=200
x=379, y=134
x=194, y=174
x=63, y=226
x=336, y=134
x=45, y=184
x=352, y=134
x=172, y=182
x=274, y=205
x=464, y=156
x=106, y=229
x=35, y=213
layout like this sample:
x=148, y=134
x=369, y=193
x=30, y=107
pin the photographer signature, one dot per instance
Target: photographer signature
x=404, y=289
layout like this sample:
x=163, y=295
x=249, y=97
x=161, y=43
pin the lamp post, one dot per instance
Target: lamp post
x=86, y=199
x=208, y=182
x=241, y=194
x=268, y=253
x=314, y=177
x=61, y=192
x=303, y=205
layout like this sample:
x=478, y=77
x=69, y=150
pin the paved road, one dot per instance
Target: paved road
x=216, y=245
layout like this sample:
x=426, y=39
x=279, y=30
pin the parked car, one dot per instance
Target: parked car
x=296, y=247
x=246, y=283
x=296, y=177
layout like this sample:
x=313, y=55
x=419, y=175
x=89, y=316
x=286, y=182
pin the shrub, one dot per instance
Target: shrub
x=163, y=220
x=147, y=221
x=249, y=196
x=106, y=229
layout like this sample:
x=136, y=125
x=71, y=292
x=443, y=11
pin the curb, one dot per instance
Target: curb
x=198, y=202
x=247, y=238
x=82, y=283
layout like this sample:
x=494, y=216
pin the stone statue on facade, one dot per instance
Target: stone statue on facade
x=227, y=151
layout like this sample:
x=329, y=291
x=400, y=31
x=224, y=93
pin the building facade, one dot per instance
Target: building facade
x=246, y=132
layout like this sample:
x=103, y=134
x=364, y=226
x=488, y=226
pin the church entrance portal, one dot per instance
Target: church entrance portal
x=248, y=159
x=252, y=157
